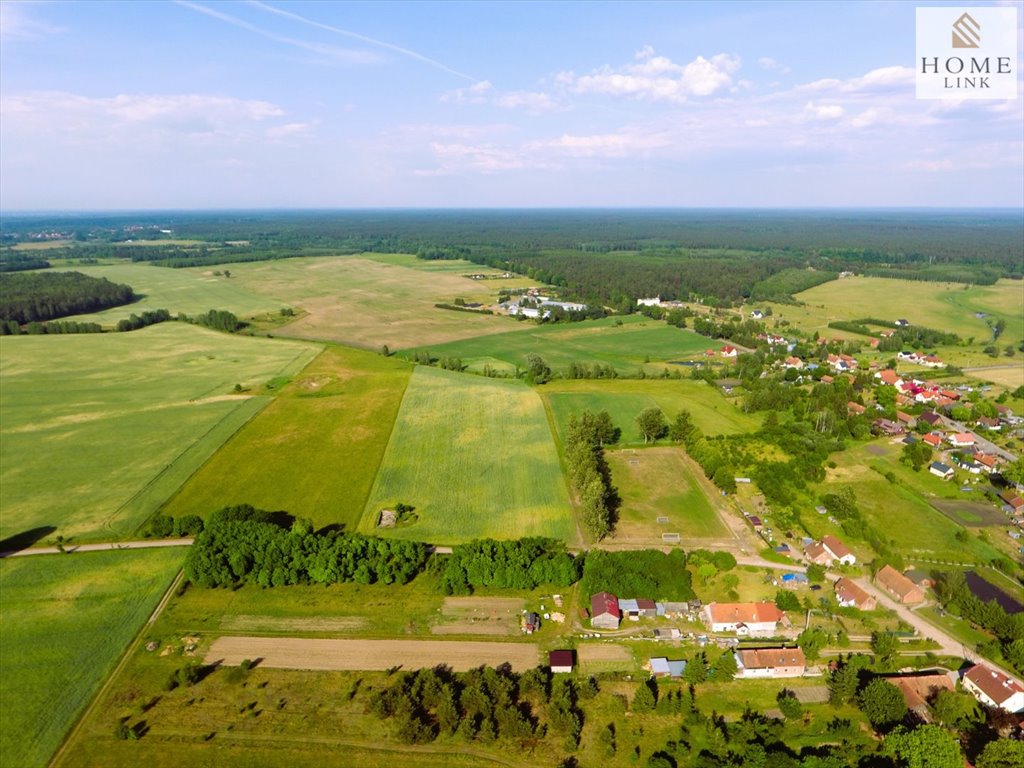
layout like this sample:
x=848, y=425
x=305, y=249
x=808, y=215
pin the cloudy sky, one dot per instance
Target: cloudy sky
x=203, y=104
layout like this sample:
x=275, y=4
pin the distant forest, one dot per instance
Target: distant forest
x=607, y=256
x=27, y=297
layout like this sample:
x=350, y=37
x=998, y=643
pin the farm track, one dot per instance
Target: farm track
x=100, y=547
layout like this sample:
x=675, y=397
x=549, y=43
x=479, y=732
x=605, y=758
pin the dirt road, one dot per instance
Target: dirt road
x=100, y=547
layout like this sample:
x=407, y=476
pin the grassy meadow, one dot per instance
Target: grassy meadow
x=376, y=299
x=98, y=430
x=476, y=458
x=624, y=343
x=624, y=399
x=660, y=482
x=66, y=621
x=315, y=450
x=192, y=291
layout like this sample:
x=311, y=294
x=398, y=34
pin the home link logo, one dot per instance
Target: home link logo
x=966, y=32
x=966, y=53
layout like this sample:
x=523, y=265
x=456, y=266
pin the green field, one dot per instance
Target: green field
x=476, y=458
x=624, y=343
x=660, y=482
x=943, y=306
x=66, y=621
x=98, y=430
x=315, y=450
x=624, y=399
x=375, y=299
x=192, y=291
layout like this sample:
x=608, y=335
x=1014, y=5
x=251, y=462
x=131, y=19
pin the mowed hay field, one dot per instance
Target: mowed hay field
x=943, y=306
x=476, y=458
x=66, y=619
x=377, y=299
x=624, y=399
x=315, y=450
x=192, y=291
x=96, y=431
x=660, y=482
x=624, y=343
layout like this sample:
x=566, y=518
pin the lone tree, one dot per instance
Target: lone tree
x=883, y=703
x=537, y=371
x=652, y=424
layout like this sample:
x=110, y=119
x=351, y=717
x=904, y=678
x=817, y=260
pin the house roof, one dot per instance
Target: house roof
x=744, y=613
x=894, y=581
x=816, y=551
x=901, y=416
x=993, y=683
x=965, y=438
x=917, y=576
x=663, y=666
x=1012, y=498
x=917, y=689
x=938, y=466
x=889, y=376
x=628, y=605
x=932, y=439
x=645, y=604
x=561, y=659
x=769, y=658
x=604, y=602
x=847, y=591
x=835, y=546
x=855, y=407
x=930, y=416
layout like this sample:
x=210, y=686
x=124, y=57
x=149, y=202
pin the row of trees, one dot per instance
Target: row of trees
x=518, y=564
x=711, y=455
x=12, y=328
x=150, y=317
x=241, y=545
x=586, y=436
x=646, y=573
x=27, y=297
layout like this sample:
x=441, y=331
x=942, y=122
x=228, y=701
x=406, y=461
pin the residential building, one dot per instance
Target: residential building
x=770, y=662
x=939, y=469
x=744, y=618
x=849, y=594
x=662, y=667
x=561, y=662
x=604, y=611
x=918, y=690
x=992, y=687
x=961, y=440
x=838, y=550
x=899, y=586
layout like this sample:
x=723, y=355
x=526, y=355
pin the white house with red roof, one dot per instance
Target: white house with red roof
x=728, y=351
x=744, y=618
x=992, y=687
x=604, y=611
x=838, y=550
x=961, y=440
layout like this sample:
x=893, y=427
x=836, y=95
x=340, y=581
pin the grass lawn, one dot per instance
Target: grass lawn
x=948, y=307
x=624, y=399
x=476, y=458
x=377, y=299
x=192, y=291
x=98, y=430
x=659, y=482
x=625, y=343
x=315, y=450
x=66, y=621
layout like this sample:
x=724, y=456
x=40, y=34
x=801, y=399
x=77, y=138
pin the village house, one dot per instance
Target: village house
x=987, y=461
x=991, y=424
x=816, y=553
x=961, y=440
x=919, y=577
x=662, y=667
x=932, y=361
x=902, y=323
x=849, y=594
x=992, y=687
x=826, y=379
x=1013, y=501
x=855, y=409
x=906, y=419
x=930, y=417
x=728, y=351
x=899, y=586
x=917, y=690
x=743, y=618
x=939, y=469
x=793, y=362
x=655, y=302
x=889, y=377
x=933, y=439
x=757, y=314
x=604, y=611
x=561, y=662
x=633, y=608
x=838, y=550
x=887, y=427
x=770, y=662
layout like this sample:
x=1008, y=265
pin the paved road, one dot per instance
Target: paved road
x=100, y=547
x=986, y=445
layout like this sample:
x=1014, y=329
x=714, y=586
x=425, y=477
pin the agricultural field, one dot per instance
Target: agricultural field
x=192, y=291
x=625, y=343
x=624, y=399
x=66, y=621
x=315, y=450
x=951, y=307
x=374, y=300
x=660, y=483
x=476, y=458
x=99, y=430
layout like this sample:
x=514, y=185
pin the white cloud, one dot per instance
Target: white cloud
x=823, y=111
x=18, y=23
x=478, y=93
x=605, y=145
x=289, y=130
x=884, y=78
x=656, y=78
x=485, y=93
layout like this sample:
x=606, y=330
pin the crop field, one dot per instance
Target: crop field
x=66, y=621
x=1010, y=376
x=377, y=299
x=948, y=307
x=624, y=399
x=476, y=458
x=98, y=430
x=659, y=483
x=315, y=450
x=192, y=291
x=900, y=511
x=624, y=343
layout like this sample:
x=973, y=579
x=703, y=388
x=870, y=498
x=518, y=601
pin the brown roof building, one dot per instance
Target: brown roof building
x=743, y=618
x=989, y=686
x=839, y=551
x=917, y=690
x=771, y=662
x=849, y=594
x=899, y=586
x=816, y=553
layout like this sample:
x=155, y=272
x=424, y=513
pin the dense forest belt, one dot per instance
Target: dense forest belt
x=40, y=296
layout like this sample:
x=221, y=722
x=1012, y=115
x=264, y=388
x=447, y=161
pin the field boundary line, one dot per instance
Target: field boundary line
x=560, y=450
x=121, y=664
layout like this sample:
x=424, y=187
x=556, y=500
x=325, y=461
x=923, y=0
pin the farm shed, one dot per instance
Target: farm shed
x=562, y=661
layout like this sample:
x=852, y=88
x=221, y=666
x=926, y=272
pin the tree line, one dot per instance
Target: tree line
x=644, y=573
x=585, y=438
x=517, y=564
x=27, y=297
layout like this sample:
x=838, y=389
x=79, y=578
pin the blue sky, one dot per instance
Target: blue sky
x=316, y=104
